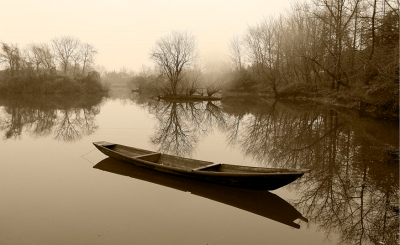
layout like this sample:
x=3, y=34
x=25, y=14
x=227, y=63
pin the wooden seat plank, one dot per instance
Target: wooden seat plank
x=152, y=157
x=206, y=167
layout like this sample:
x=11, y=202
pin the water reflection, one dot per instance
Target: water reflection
x=180, y=125
x=66, y=118
x=353, y=189
x=261, y=203
x=360, y=201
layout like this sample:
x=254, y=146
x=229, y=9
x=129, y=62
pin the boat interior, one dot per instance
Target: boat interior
x=187, y=163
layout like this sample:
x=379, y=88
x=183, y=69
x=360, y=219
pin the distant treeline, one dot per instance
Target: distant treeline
x=62, y=66
x=348, y=50
x=333, y=50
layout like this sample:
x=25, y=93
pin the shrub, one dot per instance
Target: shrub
x=91, y=83
x=384, y=95
x=242, y=81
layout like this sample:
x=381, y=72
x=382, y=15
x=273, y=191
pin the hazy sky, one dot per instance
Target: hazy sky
x=124, y=31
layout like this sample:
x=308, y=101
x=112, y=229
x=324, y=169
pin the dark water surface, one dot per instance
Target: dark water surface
x=56, y=189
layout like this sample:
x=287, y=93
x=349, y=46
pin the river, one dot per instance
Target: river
x=55, y=188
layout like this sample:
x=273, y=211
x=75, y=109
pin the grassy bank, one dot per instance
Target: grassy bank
x=50, y=84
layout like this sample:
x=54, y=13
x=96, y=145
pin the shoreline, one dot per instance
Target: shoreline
x=353, y=105
x=181, y=98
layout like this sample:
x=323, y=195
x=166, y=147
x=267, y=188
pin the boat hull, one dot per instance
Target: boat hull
x=250, y=180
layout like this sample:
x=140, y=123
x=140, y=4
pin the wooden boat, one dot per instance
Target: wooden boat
x=225, y=174
x=259, y=202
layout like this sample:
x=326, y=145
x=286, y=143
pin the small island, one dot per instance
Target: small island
x=63, y=66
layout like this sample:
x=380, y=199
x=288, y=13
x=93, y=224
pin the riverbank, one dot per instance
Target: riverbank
x=359, y=106
x=51, y=84
x=362, y=106
x=180, y=98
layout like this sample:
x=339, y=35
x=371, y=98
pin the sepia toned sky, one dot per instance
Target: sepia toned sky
x=124, y=31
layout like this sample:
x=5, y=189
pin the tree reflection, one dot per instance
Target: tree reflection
x=42, y=122
x=353, y=188
x=66, y=118
x=74, y=123
x=181, y=124
x=352, y=203
x=213, y=115
x=174, y=134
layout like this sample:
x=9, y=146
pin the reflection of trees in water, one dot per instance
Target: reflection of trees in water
x=181, y=124
x=354, y=184
x=74, y=123
x=12, y=123
x=353, y=189
x=351, y=201
x=42, y=117
x=42, y=122
x=174, y=134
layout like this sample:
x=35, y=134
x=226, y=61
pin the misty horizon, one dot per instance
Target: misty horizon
x=125, y=32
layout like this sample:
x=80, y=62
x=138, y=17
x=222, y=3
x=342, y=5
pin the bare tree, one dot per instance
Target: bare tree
x=173, y=54
x=46, y=56
x=11, y=56
x=337, y=16
x=88, y=51
x=33, y=54
x=77, y=59
x=65, y=48
x=41, y=56
x=264, y=49
x=192, y=80
x=236, y=52
x=214, y=82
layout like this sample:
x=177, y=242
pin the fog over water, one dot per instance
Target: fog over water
x=125, y=31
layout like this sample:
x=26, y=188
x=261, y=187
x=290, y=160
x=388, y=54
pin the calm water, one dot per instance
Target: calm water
x=56, y=189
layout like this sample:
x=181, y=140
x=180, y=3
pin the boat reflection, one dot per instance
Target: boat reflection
x=263, y=203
